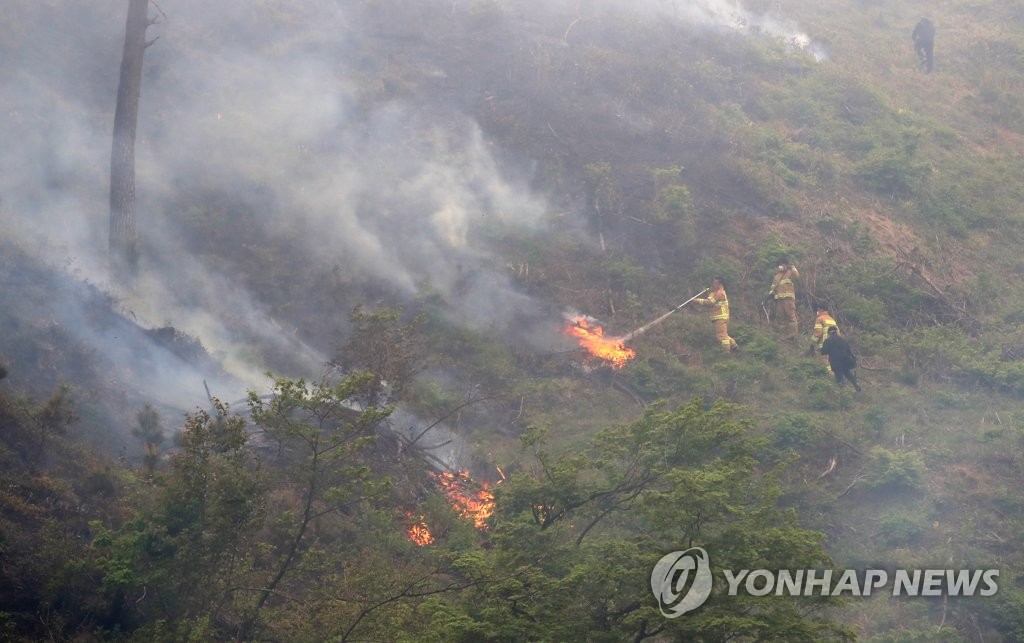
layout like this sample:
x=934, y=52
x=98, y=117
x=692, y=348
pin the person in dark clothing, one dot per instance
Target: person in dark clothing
x=840, y=358
x=924, y=43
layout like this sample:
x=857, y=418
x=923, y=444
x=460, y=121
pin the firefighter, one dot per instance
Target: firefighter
x=822, y=324
x=840, y=357
x=784, y=293
x=719, y=303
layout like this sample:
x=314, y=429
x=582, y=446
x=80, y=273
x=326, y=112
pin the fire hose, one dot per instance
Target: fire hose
x=643, y=329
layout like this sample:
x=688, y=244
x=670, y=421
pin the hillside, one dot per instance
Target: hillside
x=428, y=192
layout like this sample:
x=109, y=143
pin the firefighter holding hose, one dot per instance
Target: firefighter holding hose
x=719, y=304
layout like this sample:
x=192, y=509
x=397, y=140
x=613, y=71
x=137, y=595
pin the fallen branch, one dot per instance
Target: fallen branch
x=860, y=476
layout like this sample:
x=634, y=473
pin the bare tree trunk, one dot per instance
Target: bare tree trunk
x=124, y=239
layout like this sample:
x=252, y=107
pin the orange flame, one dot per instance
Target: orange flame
x=477, y=505
x=458, y=489
x=592, y=339
x=419, y=533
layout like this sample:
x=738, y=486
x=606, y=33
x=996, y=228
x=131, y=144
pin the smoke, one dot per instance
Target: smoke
x=717, y=15
x=274, y=107
x=730, y=15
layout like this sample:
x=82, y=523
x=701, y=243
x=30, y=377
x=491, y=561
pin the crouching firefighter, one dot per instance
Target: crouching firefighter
x=822, y=324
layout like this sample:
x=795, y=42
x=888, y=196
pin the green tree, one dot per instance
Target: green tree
x=151, y=433
x=319, y=439
x=379, y=344
x=174, y=567
x=577, y=535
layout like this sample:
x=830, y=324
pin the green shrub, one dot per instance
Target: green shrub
x=1007, y=611
x=891, y=471
x=804, y=370
x=945, y=207
x=662, y=377
x=825, y=395
x=757, y=343
x=950, y=400
x=900, y=529
x=890, y=172
x=936, y=349
x=674, y=203
x=795, y=432
x=929, y=635
x=908, y=376
x=876, y=418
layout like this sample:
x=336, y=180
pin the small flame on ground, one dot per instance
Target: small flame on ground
x=591, y=338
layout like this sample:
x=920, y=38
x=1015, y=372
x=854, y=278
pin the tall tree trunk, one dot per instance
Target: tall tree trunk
x=124, y=239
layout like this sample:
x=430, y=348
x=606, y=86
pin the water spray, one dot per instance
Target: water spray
x=643, y=329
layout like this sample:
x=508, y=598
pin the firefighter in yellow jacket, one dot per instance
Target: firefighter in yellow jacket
x=719, y=303
x=822, y=323
x=784, y=293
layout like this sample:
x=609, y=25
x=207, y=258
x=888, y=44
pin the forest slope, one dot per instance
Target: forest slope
x=484, y=168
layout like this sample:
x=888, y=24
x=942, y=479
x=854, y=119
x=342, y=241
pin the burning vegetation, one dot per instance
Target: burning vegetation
x=592, y=339
x=419, y=533
x=469, y=500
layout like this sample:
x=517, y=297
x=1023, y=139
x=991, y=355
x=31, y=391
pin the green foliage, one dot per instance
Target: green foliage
x=380, y=345
x=779, y=150
x=871, y=294
x=727, y=267
x=664, y=376
x=796, y=431
x=48, y=580
x=607, y=200
x=757, y=343
x=672, y=198
x=825, y=395
x=578, y=532
x=674, y=203
x=770, y=252
x=925, y=635
x=891, y=171
x=150, y=432
x=946, y=206
x=893, y=471
x=187, y=547
x=808, y=370
x=736, y=380
x=1007, y=611
x=624, y=275
x=902, y=529
x=797, y=164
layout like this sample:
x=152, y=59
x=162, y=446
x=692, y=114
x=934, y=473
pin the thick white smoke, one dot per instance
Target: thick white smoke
x=266, y=102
